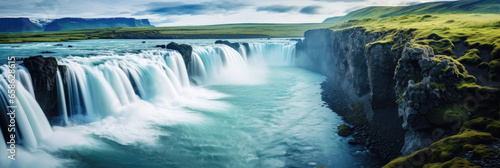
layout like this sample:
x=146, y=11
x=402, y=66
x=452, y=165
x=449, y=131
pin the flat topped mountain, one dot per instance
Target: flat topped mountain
x=18, y=25
x=64, y=24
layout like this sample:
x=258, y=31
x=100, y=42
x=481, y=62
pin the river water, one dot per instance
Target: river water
x=143, y=108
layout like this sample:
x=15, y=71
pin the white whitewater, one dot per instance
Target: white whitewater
x=210, y=62
x=275, y=54
x=31, y=121
x=61, y=98
x=93, y=88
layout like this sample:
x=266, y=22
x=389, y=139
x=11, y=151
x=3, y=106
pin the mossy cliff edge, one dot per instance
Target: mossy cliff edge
x=407, y=87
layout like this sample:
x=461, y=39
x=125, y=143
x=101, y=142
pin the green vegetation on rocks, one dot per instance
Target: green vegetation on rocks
x=455, y=162
x=444, y=151
x=344, y=130
x=470, y=57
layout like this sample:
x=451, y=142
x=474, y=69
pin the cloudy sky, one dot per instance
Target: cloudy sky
x=194, y=12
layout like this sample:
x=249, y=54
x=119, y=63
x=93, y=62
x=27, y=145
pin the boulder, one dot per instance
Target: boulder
x=184, y=49
x=235, y=46
x=161, y=46
x=344, y=130
x=43, y=71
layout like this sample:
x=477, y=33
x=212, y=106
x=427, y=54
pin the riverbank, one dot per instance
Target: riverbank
x=399, y=80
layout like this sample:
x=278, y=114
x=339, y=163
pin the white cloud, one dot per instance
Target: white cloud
x=246, y=14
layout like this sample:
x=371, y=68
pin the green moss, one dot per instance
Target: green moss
x=443, y=150
x=459, y=69
x=495, y=54
x=441, y=46
x=478, y=123
x=494, y=69
x=481, y=151
x=470, y=57
x=408, y=161
x=483, y=65
x=455, y=143
x=467, y=147
x=455, y=162
x=344, y=130
x=494, y=128
x=472, y=87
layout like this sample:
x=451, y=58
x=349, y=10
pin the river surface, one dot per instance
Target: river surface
x=268, y=116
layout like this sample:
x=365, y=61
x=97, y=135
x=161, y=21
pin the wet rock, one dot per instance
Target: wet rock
x=43, y=71
x=184, y=49
x=161, y=46
x=235, y=46
x=344, y=130
x=58, y=45
x=47, y=52
x=69, y=46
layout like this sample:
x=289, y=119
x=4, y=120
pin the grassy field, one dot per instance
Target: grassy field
x=271, y=30
x=438, y=31
x=445, y=7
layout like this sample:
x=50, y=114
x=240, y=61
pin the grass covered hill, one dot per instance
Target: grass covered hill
x=445, y=7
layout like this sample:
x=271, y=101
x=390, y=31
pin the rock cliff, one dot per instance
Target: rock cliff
x=43, y=71
x=400, y=97
x=360, y=83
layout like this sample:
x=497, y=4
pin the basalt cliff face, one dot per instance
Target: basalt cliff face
x=359, y=85
x=400, y=97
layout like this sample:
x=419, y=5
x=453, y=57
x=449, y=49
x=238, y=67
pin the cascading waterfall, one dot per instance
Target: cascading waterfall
x=32, y=124
x=92, y=88
x=99, y=85
x=61, y=98
x=275, y=54
x=208, y=62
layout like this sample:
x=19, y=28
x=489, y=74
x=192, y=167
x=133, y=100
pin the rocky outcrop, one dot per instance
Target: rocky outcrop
x=43, y=71
x=235, y=46
x=425, y=85
x=399, y=97
x=359, y=83
x=184, y=49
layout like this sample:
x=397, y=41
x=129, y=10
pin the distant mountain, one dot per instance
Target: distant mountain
x=18, y=25
x=445, y=7
x=63, y=24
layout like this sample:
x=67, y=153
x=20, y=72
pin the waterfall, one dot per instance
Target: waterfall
x=100, y=85
x=209, y=62
x=274, y=54
x=92, y=88
x=61, y=98
x=32, y=124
